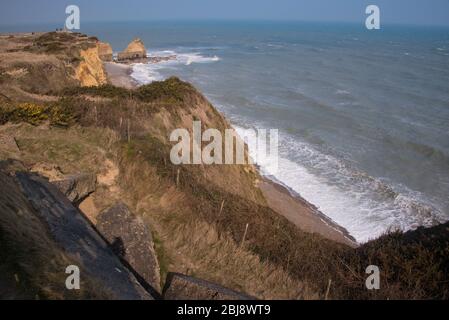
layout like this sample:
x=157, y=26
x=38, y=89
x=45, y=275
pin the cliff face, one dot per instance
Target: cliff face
x=34, y=64
x=90, y=71
x=105, y=51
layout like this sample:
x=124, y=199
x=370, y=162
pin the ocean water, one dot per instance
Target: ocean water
x=363, y=116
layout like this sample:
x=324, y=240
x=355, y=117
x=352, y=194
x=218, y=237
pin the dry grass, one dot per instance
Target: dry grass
x=189, y=244
x=198, y=250
x=74, y=150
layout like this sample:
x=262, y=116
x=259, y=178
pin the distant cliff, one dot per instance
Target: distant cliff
x=105, y=51
x=90, y=71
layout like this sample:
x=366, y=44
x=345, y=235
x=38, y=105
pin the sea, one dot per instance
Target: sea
x=363, y=115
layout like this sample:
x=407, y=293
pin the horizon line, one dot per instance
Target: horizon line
x=54, y=23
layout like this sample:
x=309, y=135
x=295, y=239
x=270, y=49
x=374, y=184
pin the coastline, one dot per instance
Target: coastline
x=119, y=75
x=279, y=198
x=302, y=213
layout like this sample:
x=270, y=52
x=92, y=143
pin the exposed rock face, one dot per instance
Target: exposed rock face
x=75, y=235
x=105, y=51
x=77, y=187
x=182, y=287
x=135, y=51
x=90, y=71
x=131, y=240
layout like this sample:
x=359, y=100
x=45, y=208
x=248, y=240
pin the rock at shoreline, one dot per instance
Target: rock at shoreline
x=105, y=51
x=135, y=51
x=162, y=59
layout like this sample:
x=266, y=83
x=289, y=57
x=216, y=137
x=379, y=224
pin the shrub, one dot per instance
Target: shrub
x=171, y=91
x=172, y=88
x=57, y=114
x=106, y=91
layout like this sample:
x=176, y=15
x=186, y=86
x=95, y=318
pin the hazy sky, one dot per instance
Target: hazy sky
x=431, y=12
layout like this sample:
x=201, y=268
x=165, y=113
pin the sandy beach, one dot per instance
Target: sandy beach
x=119, y=75
x=303, y=214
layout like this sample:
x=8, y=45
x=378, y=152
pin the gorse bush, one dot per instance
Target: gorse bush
x=172, y=90
x=57, y=114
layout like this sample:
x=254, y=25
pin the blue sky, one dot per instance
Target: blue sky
x=422, y=12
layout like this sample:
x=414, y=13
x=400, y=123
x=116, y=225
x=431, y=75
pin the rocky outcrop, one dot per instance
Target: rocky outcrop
x=105, y=51
x=90, y=71
x=132, y=241
x=77, y=187
x=182, y=287
x=74, y=234
x=135, y=51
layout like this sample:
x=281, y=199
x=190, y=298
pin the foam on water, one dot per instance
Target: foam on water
x=145, y=73
x=367, y=207
x=363, y=125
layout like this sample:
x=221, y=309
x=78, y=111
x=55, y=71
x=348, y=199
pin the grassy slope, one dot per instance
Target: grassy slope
x=277, y=260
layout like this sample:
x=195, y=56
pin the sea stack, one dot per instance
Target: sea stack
x=135, y=51
x=105, y=51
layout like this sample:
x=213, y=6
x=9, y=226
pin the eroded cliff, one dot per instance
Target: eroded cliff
x=90, y=71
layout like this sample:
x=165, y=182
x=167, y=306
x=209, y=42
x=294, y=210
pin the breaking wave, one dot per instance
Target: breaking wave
x=366, y=206
x=145, y=73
